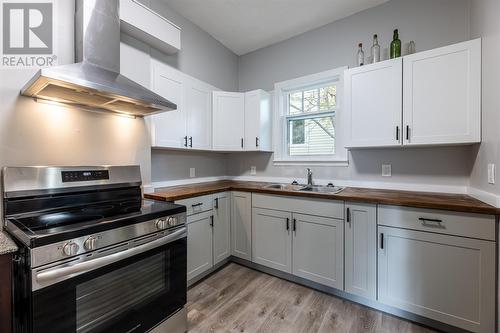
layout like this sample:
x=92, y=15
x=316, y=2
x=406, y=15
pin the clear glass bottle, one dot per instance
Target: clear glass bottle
x=395, y=45
x=361, y=55
x=411, y=47
x=375, y=50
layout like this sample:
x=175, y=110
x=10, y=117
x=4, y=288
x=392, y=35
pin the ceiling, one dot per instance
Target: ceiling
x=244, y=26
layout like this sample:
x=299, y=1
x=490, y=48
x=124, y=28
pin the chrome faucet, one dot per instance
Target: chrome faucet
x=309, y=178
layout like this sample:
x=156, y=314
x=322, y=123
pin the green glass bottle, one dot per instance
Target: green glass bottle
x=395, y=45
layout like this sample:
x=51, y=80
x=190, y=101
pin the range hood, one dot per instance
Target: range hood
x=94, y=81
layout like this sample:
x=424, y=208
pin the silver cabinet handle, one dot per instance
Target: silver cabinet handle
x=432, y=223
x=80, y=268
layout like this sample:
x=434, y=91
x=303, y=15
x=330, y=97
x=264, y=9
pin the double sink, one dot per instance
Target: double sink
x=329, y=189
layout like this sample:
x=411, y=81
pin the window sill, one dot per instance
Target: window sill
x=335, y=163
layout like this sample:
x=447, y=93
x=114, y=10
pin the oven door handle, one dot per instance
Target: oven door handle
x=46, y=277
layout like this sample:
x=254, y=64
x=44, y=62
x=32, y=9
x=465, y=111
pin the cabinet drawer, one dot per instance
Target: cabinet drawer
x=197, y=204
x=318, y=207
x=445, y=222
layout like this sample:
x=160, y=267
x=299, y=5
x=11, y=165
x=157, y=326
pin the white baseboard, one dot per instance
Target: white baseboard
x=487, y=197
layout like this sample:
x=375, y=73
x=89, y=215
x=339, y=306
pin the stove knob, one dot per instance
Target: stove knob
x=161, y=224
x=70, y=249
x=90, y=244
x=172, y=221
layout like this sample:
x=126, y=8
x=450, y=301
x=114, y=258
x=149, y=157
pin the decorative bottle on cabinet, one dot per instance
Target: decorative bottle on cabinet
x=395, y=45
x=375, y=49
x=361, y=55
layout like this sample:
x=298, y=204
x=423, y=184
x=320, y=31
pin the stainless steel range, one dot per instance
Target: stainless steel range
x=94, y=256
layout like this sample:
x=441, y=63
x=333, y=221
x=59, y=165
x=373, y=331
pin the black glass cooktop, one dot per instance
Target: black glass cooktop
x=50, y=226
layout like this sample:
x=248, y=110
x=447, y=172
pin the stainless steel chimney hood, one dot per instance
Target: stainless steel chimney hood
x=95, y=82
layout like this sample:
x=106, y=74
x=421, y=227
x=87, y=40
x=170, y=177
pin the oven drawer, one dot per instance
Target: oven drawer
x=197, y=204
x=444, y=222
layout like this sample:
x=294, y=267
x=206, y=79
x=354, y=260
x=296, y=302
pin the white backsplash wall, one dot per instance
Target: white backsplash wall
x=436, y=169
x=168, y=165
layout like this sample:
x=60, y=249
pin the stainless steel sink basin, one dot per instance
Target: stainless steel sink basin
x=323, y=189
x=315, y=188
x=285, y=187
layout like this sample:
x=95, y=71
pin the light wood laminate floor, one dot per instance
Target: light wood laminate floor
x=239, y=299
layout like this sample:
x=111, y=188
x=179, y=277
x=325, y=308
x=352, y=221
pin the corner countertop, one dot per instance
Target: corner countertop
x=444, y=201
x=7, y=245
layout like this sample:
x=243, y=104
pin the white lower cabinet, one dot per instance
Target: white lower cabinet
x=318, y=249
x=271, y=242
x=361, y=249
x=446, y=278
x=221, y=227
x=199, y=252
x=241, y=225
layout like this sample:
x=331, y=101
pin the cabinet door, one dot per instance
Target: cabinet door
x=168, y=129
x=199, y=245
x=241, y=225
x=373, y=101
x=257, y=120
x=222, y=230
x=228, y=120
x=442, y=95
x=271, y=239
x=446, y=278
x=199, y=115
x=361, y=250
x=318, y=249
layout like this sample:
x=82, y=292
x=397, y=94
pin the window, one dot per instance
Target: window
x=306, y=121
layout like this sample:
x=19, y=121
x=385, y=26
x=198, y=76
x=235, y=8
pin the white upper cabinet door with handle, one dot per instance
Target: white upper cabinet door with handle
x=258, y=121
x=228, y=120
x=199, y=114
x=373, y=100
x=168, y=129
x=442, y=95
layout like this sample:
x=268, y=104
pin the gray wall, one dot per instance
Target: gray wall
x=430, y=23
x=485, y=23
x=201, y=55
x=172, y=165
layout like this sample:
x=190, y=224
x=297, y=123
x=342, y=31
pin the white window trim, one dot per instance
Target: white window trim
x=281, y=89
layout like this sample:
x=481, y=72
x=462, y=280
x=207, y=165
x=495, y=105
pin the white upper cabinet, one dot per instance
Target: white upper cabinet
x=228, y=120
x=199, y=115
x=258, y=120
x=187, y=127
x=145, y=24
x=442, y=95
x=374, y=104
x=168, y=129
x=427, y=98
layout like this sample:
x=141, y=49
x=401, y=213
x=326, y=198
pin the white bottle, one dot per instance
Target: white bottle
x=361, y=55
x=375, y=50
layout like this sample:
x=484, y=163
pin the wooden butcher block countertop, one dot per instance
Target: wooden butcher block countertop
x=445, y=201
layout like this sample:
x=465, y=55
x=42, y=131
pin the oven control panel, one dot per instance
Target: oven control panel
x=82, y=175
x=62, y=250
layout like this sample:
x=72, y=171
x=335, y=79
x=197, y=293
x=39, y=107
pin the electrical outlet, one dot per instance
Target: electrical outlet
x=253, y=170
x=491, y=173
x=386, y=170
x=192, y=172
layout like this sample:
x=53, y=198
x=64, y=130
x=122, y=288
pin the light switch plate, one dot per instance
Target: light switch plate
x=491, y=173
x=386, y=170
x=192, y=172
x=253, y=170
